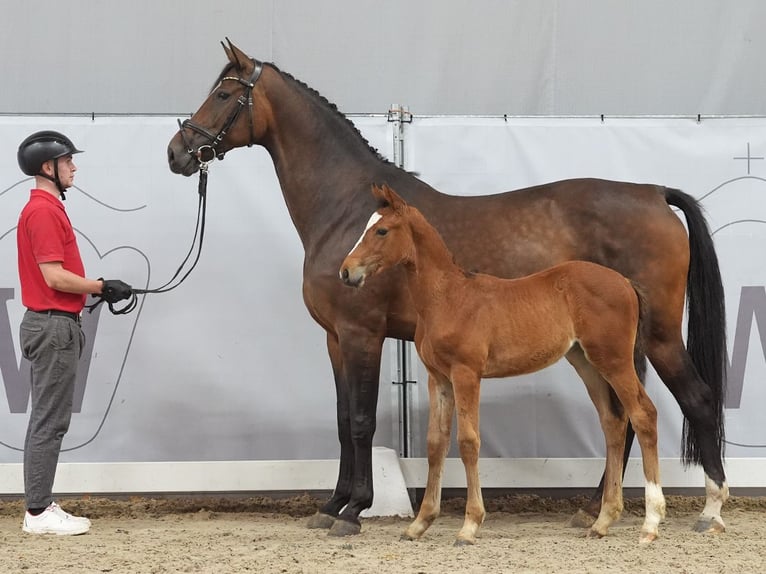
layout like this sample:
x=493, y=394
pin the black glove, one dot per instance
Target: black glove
x=114, y=290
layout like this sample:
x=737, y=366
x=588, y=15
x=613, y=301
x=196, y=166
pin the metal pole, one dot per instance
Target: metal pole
x=399, y=115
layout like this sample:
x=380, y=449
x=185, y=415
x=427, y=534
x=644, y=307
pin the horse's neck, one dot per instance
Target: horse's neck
x=317, y=156
x=431, y=271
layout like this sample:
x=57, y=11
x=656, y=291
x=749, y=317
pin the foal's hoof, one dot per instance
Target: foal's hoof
x=594, y=534
x=709, y=524
x=464, y=542
x=647, y=538
x=320, y=520
x=344, y=528
x=582, y=519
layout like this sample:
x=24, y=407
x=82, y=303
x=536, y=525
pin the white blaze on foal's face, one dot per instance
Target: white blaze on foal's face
x=373, y=220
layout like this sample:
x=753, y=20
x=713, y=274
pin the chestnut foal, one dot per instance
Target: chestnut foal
x=472, y=325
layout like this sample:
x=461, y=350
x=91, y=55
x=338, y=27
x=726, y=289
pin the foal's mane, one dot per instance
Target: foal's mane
x=315, y=96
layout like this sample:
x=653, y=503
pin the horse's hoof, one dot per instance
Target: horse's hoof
x=464, y=542
x=406, y=537
x=320, y=520
x=344, y=528
x=594, y=534
x=709, y=525
x=582, y=519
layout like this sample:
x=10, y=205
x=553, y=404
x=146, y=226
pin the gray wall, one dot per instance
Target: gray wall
x=549, y=57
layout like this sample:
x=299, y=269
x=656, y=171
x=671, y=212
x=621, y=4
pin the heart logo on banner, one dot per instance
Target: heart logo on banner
x=108, y=340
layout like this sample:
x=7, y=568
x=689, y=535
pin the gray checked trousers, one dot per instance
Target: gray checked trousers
x=53, y=345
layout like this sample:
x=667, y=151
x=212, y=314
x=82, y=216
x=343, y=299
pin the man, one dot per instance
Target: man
x=53, y=289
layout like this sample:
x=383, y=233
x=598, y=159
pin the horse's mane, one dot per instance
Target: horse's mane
x=316, y=96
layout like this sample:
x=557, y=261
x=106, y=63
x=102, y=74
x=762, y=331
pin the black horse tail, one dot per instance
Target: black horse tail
x=706, y=330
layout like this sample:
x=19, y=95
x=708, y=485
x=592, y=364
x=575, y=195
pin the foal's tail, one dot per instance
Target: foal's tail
x=639, y=351
x=706, y=331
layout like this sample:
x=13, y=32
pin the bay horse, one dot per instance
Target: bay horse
x=325, y=169
x=473, y=326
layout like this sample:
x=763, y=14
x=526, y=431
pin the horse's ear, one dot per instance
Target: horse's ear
x=229, y=53
x=236, y=56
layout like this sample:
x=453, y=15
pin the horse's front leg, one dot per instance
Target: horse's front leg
x=360, y=374
x=441, y=409
x=326, y=515
x=466, y=385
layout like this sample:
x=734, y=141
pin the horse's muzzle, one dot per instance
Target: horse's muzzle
x=180, y=161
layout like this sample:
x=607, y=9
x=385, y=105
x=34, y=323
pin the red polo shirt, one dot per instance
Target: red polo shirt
x=45, y=235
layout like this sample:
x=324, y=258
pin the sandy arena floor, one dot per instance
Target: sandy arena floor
x=522, y=533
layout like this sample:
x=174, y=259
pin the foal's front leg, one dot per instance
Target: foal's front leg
x=466, y=384
x=441, y=408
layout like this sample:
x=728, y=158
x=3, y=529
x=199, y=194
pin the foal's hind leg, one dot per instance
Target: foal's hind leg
x=441, y=401
x=643, y=417
x=613, y=422
x=586, y=516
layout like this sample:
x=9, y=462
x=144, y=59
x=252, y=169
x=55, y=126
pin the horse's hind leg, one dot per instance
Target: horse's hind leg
x=441, y=409
x=675, y=368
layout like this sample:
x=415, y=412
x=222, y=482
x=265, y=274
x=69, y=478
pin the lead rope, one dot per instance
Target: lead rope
x=199, y=230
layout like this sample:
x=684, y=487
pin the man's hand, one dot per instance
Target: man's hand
x=114, y=290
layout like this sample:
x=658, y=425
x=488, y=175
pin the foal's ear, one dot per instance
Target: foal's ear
x=392, y=198
x=379, y=195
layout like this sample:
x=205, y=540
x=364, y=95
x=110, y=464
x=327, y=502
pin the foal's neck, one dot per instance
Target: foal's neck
x=431, y=271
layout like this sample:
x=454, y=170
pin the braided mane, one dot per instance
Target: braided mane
x=315, y=96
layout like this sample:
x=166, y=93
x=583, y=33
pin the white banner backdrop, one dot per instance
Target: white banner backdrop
x=230, y=367
x=720, y=161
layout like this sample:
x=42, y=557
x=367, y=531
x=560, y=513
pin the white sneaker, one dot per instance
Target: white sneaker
x=65, y=515
x=53, y=520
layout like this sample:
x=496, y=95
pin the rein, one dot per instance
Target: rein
x=204, y=154
x=199, y=231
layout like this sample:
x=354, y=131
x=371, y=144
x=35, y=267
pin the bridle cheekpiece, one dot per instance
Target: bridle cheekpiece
x=206, y=153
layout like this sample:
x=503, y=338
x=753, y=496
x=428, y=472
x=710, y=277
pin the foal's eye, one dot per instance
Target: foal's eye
x=381, y=231
x=223, y=96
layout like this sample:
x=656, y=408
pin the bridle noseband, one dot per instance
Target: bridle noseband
x=208, y=152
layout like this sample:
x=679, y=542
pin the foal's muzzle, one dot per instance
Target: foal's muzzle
x=353, y=277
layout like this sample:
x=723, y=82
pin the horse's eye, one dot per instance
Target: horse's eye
x=381, y=231
x=223, y=96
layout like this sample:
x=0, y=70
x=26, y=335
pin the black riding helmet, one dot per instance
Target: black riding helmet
x=42, y=146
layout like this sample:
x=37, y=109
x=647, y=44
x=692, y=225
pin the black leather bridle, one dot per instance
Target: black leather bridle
x=208, y=151
x=204, y=154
